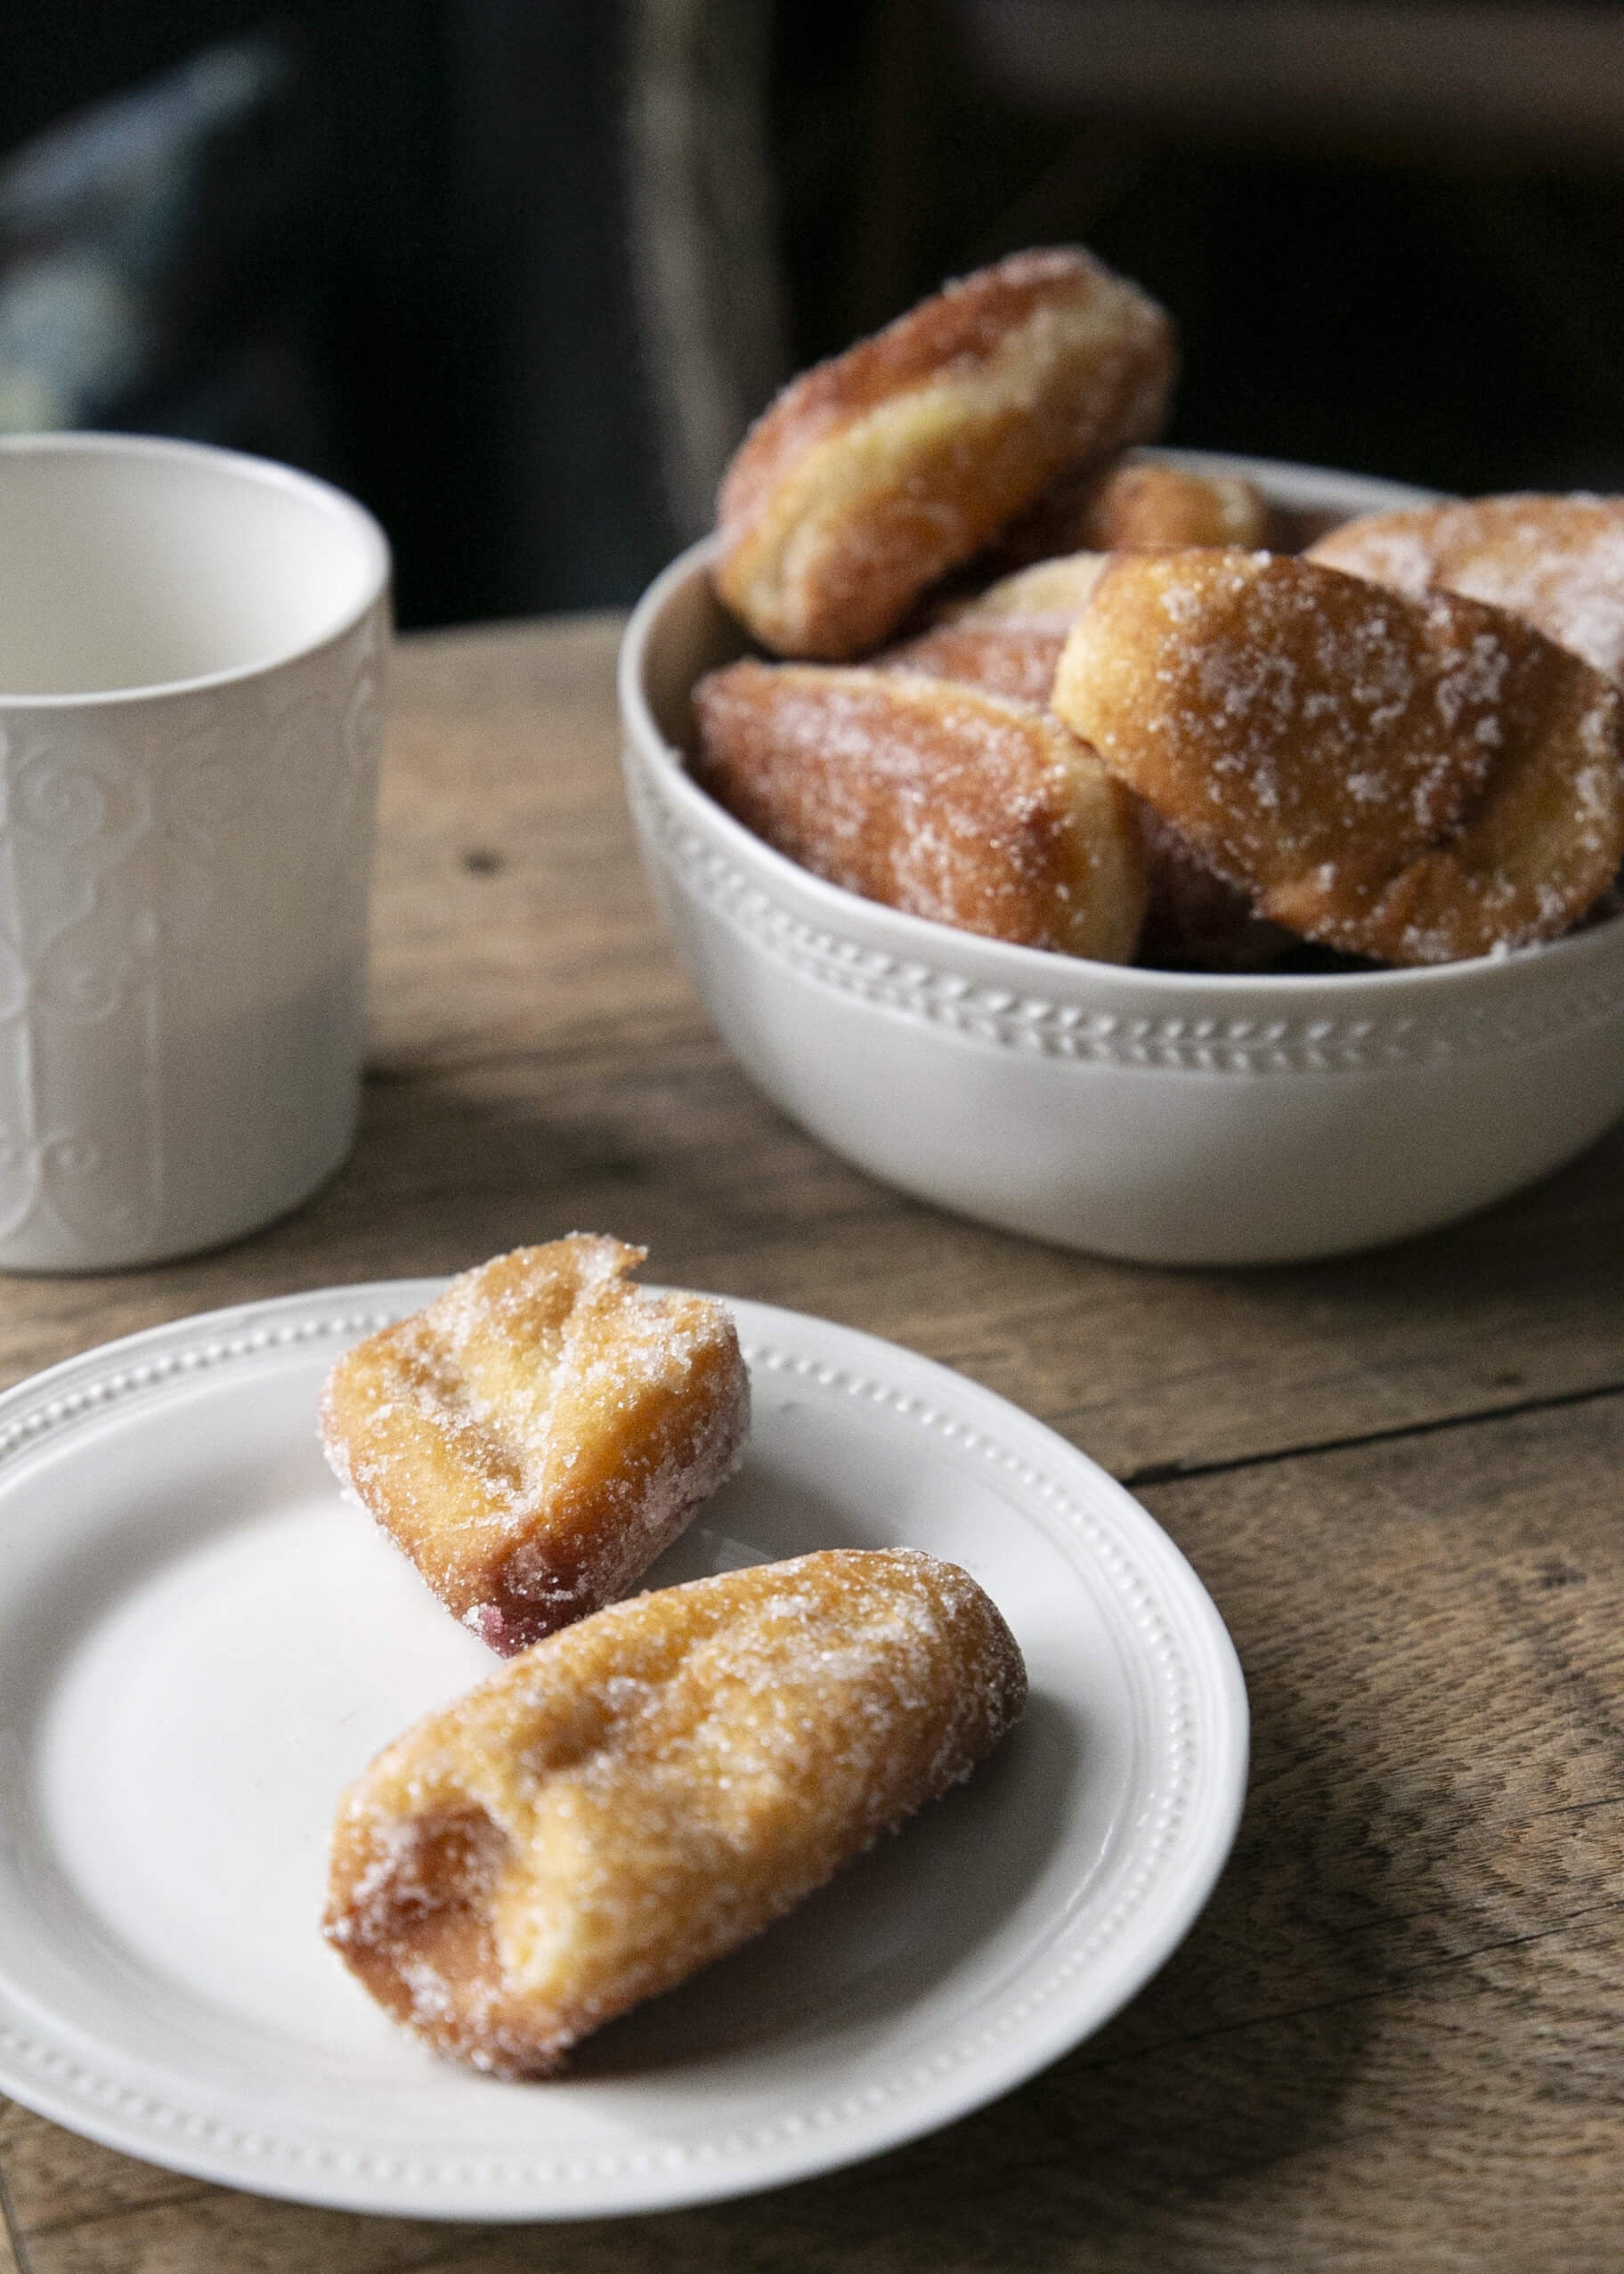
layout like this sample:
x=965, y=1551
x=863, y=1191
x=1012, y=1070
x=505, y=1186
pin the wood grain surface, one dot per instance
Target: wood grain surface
x=1394, y=2041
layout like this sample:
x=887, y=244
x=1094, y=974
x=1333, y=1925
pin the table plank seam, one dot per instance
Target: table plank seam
x=1178, y=1472
x=1394, y=1983
x=1571, y=1808
x=593, y=1039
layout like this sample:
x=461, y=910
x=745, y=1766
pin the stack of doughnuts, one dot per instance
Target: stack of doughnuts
x=1018, y=682
x=1414, y=781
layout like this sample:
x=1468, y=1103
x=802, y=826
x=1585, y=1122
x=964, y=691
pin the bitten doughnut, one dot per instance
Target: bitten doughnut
x=1416, y=781
x=645, y=1791
x=1556, y=562
x=541, y=1432
x=874, y=473
x=966, y=807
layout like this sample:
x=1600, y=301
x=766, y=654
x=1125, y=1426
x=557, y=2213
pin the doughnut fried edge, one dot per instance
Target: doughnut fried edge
x=1557, y=562
x=1009, y=640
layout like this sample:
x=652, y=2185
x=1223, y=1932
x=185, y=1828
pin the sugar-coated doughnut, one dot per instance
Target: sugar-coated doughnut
x=874, y=473
x=1008, y=640
x=1016, y=658
x=541, y=1432
x=647, y=1789
x=1132, y=502
x=1557, y=562
x=1048, y=592
x=1416, y=781
x=1142, y=503
x=967, y=808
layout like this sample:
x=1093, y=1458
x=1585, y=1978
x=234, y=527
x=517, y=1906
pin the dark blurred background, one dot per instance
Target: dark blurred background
x=519, y=271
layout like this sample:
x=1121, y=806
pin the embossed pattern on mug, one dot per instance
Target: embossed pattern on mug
x=145, y=882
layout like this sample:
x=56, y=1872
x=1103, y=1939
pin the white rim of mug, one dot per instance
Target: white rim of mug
x=1027, y=970
x=336, y=504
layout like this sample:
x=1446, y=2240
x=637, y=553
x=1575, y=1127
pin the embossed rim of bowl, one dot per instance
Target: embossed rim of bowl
x=336, y=504
x=1069, y=1006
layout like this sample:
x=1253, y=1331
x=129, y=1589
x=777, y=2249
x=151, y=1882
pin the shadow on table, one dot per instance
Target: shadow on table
x=1556, y=1235
x=1236, y=2058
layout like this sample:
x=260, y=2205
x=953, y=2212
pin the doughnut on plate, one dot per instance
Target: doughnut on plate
x=641, y=1794
x=541, y=1432
x=202, y=1643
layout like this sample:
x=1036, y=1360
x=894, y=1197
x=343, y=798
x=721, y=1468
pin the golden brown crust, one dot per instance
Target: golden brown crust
x=645, y=1791
x=874, y=473
x=1009, y=640
x=1052, y=592
x=1133, y=506
x=954, y=804
x=541, y=1432
x=1414, y=781
x=966, y=322
x=1556, y=562
x=1016, y=658
x=1137, y=501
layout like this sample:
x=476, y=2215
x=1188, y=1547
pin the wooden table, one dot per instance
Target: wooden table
x=1394, y=2041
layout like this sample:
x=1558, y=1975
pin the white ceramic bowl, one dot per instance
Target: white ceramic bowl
x=1166, y=1116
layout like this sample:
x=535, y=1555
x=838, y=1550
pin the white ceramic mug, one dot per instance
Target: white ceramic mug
x=192, y=647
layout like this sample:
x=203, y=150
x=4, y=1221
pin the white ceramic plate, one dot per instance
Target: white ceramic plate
x=200, y=1642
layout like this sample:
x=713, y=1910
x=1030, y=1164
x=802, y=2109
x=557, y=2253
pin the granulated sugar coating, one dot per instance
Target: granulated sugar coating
x=1557, y=562
x=1016, y=657
x=645, y=1791
x=877, y=471
x=1413, y=780
x=1050, y=592
x=1008, y=640
x=967, y=808
x=541, y=1432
